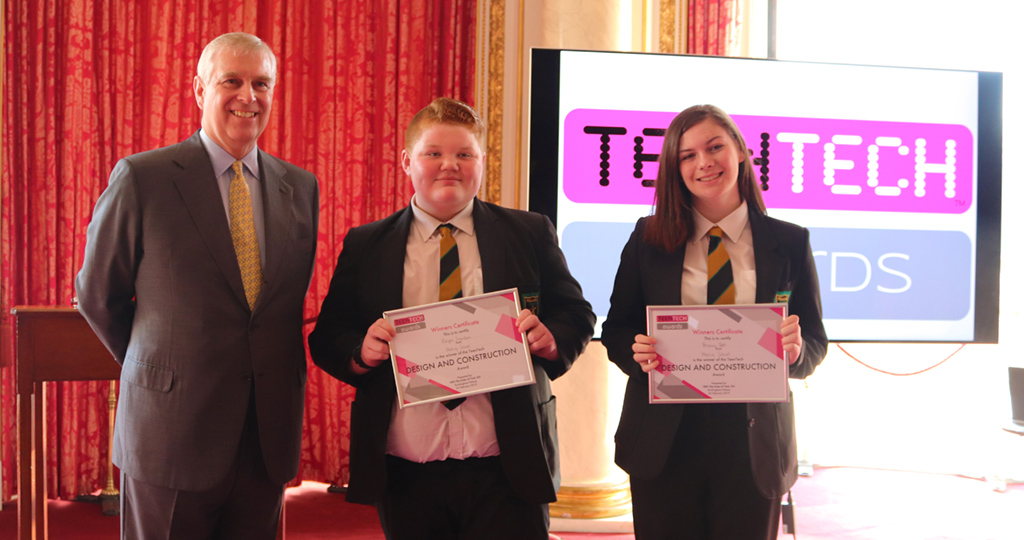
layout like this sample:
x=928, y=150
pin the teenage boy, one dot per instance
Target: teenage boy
x=487, y=467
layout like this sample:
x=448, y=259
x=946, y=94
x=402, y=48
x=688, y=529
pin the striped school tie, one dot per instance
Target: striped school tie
x=451, y=281
x=451, y=276
x=243, y=235
x=721, y=289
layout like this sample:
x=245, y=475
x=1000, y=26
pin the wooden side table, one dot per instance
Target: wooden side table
x=52, y=344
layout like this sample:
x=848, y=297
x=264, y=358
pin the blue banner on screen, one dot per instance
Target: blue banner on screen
x=893, y=274
x=600, y=258
x=863, y=274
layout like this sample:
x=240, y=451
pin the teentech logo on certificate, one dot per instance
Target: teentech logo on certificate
x=459, y=348
x=725, y=354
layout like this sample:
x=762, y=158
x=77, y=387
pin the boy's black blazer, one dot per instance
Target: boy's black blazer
x=517, y=249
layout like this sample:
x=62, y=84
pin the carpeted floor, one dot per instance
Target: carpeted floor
x=869, y=504
x=834, y=504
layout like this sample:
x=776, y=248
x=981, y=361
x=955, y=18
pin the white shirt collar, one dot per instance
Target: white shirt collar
x=426, y=224
x=732, y=225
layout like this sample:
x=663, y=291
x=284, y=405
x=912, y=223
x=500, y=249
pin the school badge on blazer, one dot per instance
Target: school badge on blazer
x=530, y=301
x=782, y=297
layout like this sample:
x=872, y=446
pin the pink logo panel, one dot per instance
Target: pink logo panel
x=410, y=320
x=611, y=157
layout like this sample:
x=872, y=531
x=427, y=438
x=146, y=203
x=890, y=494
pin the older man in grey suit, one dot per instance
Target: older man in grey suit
x=198, y=258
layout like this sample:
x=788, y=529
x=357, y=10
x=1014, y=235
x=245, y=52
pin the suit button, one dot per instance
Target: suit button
x=751, y=422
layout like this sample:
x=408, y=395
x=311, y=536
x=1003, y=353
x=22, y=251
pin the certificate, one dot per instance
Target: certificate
x=724, y=354
x=459, y=348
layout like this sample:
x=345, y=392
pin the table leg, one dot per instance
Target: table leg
x=39, y=511
x=26, y=528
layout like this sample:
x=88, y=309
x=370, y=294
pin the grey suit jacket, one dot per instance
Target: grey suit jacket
x=650, y=276
x=161, y=287
x=517, y=249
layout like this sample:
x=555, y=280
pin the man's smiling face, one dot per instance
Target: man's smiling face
x=236, y=101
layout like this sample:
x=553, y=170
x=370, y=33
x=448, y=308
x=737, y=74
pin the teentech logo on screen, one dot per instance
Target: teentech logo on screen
x=808, y=163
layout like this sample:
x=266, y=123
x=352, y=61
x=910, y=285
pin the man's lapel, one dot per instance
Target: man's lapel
x=198, y=188
x=277, y=219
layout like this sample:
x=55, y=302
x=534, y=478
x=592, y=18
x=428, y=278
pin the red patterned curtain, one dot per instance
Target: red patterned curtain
x=712, y=27
x=89, y=81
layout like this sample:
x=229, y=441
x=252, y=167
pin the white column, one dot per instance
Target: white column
x=594, y=496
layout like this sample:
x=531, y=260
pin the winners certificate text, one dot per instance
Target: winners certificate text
x=459, y=348
x=723, y=354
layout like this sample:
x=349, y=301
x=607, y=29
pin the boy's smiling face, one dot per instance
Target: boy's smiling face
x=446, y=169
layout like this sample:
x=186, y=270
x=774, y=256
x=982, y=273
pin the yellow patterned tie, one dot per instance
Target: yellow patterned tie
x=721, y=289
x=243, y=235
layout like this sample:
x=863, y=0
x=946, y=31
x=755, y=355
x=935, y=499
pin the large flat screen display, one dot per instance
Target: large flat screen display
x=896, y=172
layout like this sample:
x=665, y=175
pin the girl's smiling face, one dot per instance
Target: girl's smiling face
x=709, y=163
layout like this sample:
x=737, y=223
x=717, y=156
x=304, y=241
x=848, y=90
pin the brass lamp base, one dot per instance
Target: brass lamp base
x=110, y=504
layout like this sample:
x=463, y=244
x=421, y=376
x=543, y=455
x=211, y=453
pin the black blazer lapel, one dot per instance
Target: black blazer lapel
x=198, y=188
x=277, y=218
x=665, y=270
x=392, y=261
x=770, y=265
x=492, y=246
